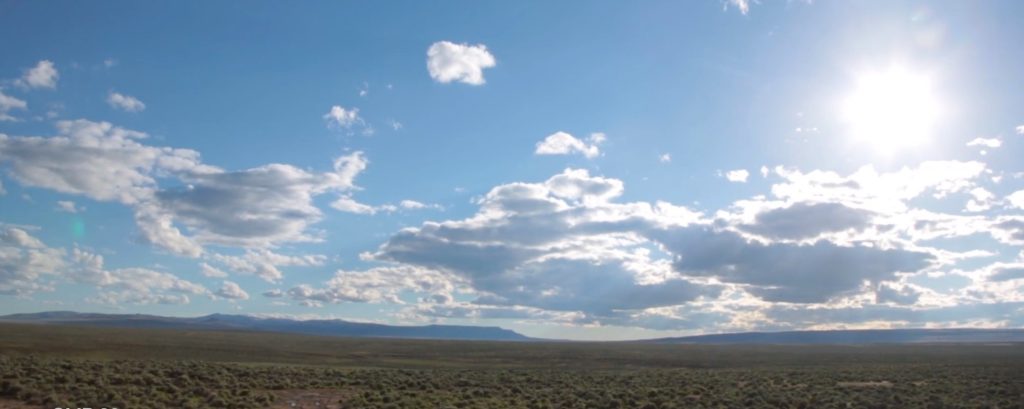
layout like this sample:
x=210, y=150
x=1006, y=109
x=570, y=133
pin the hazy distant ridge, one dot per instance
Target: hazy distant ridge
x=250, y=323
x=343, y=328
x=869, y=336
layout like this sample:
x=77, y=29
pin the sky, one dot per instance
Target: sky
x=575, y=170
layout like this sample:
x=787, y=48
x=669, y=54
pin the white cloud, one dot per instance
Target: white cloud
x=566, y=250
x=43, y=75
x=210, y=271
x=1016, y=199
x=94, y=159
x=742, y=5
x=1020, y=129
x=737, y=176
x=125, y=103
x=764, y=171
x=8, y=103
x=447, y=62
x=67, y=206
x=231, y=291
x=25, y=261
x=376, y=285
x=349, y=205
x=986, y=142
x=264, y=263
x=981, y=200
x=414, y=205
x=665, y=158
x=561, y=143
x=342, y=118
x=250, y=208
x=28, y=266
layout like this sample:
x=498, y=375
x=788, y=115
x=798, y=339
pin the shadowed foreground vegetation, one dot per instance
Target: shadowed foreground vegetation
x=50, y=366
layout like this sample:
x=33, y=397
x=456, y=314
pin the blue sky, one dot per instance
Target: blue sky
x=586, y=170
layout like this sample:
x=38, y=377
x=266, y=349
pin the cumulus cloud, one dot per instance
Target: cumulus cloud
x=9, y=103
x=665, y=158
x=813, y=273
x=125, y=103
x=231, y=291
x=25, y=261
x=561, y=143
x=43, y=75
x=566, y=250
x=264, y=263
x=94, y=159
x=27, y=266
x=737, y=176
x=375, y=285
x=1016, y=199
x=447, y=62
x=250, y=208
x=807, y=220
x=981, y=200
x=888, y=293
x=131, y=285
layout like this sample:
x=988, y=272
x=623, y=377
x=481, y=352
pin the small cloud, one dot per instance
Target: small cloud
x=274, y=293
x=742, y=5
x=981, y=200
x=210, y=271
x=665, y=158
x=395, y=125
x=1016, y=199
x=43, y=75
x=349, y=205
x=414, y=205
x=232, y=291
x=364, y=90
x=561, y=143
x=125, y=103
x=8, y=103
x=447, y=62
x=109, y=63
x=341, y=118
x=986, y=142
x=68, y=206
x=764, y=171
x=1020, y=129
x=737, y=176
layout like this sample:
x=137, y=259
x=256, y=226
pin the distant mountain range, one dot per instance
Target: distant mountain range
x=341, y=328
x=868, y=336
x=224, y=322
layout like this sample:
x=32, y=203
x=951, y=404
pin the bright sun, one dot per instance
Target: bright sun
x=891, y=110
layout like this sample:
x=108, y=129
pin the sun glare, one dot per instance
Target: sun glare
x=891, y=110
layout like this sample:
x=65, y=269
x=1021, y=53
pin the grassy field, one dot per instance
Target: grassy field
x=47, y=366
